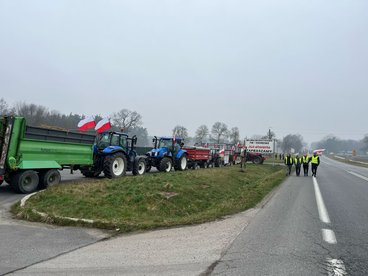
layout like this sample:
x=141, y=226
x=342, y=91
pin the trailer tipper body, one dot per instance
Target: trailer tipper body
x=31, y=157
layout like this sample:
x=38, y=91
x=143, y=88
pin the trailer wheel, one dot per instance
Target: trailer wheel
x=25, y=182
x=139, y=167
x=49, y=178
x=115, y=165
x=182, y=163
x=165, y=165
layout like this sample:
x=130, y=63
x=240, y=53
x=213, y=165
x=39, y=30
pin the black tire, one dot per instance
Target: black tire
x=49, y=178
x=115, y=165
x=165, y=165
x=139, y=167
x=89, y=172
x=148, y=168
x=257, y=160
x=25, y=182
x=182, y=163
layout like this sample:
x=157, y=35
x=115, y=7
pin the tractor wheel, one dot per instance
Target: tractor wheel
x=148, y=168
x=88, y=172
x=49, y=178
x=165, y=165
x=115, y=165
x=25, y=182
x=139, y=167
x=182, y=163
x=257, y=160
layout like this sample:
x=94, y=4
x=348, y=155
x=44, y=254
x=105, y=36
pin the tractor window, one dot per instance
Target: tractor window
x=115, y=140
x=123, y=141
x=104, y=141
x=165, y=144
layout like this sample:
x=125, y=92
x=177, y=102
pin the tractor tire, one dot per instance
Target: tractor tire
x=257, y=160
x=139, y=167
x=165, y=165
x=49, y=178
x=148, y=168
x=25, y=182
x=182, y=163
x=88, y=172
x=115, y=165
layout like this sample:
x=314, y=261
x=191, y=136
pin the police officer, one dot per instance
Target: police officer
x=315, y=162
x=305, y=161
x=298, y=164
x=289, y=163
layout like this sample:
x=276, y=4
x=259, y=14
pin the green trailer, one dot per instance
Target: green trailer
x=31, y=157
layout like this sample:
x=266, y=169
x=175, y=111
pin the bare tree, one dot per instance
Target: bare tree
x=219, y=131
x=234, y=135
x=201, y=134
x=34, y=114
x=181, y=132
x=4, y=108
x=126, y=119
x=292, y=141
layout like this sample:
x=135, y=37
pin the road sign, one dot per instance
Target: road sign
x=261, y=146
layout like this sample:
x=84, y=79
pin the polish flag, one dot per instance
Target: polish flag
x=86, y=123
x=103, y=125
x=233, y=148
x=222, y=151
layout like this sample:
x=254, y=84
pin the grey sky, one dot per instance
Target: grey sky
x=298, y=66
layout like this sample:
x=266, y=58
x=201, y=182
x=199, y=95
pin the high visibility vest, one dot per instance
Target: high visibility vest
x=288, y=160
x=297, y=160
x=305, y=159
x=315, y=159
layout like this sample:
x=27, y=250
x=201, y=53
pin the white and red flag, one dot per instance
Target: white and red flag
x=86, y=123
x=103, y=125
x=222, y=151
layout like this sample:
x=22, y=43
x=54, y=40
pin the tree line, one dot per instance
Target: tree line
x=131, y=122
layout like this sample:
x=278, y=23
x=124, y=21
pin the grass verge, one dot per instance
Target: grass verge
x=349, y=161
x=155, y=200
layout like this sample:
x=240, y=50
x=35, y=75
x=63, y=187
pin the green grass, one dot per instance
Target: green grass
x=347, y=161
x=144, y=202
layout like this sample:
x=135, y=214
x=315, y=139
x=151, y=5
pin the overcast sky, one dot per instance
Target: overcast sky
x=297, y=66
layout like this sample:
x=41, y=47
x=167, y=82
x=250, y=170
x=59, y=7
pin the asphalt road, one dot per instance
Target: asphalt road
x=304, y=232
x=23, y=243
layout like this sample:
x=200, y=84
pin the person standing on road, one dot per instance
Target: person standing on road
x=289, y=163
x=306, y=161
x=298, y=164
x=315, y=162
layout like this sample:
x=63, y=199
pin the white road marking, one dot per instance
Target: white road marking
x=322, y=211
x=329, y=236
x=336, y=267
x=358, y=175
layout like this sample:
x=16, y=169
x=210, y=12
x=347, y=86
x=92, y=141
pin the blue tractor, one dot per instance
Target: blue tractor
x=114, y=154
x=166, y=154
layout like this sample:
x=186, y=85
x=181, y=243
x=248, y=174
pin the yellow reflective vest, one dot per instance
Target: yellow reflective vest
x=315, y=159
x=306, y=159
x=297, y=161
